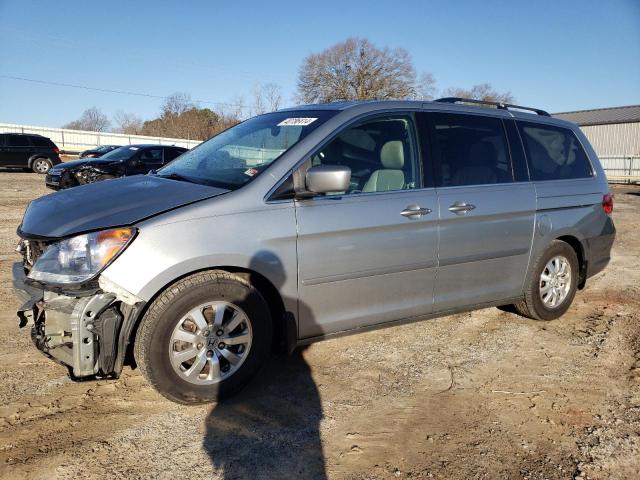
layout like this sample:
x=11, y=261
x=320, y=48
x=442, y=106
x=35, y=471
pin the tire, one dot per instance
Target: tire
x=156, y=343
x=535, y=304
x=41, y=165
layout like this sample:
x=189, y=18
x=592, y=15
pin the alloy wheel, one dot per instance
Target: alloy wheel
x=555, y=281
x=210, y=342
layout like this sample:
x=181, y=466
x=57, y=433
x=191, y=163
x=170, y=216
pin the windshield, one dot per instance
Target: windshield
x=122, y=153
x=236, y=156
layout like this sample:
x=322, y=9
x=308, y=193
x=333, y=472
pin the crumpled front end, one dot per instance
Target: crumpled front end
x=86, y=174
x=87, y=330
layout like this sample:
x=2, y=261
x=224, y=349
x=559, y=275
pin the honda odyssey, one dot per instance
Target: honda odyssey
x=308, y=223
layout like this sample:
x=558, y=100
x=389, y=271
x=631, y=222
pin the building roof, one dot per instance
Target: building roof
x=602, y=116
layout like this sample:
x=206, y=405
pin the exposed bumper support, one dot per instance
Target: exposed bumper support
x=89, y=335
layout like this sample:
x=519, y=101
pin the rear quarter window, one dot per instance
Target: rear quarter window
x=41, y=142
x=553, y=153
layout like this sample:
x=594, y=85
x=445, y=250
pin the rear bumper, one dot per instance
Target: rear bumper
x=599, y=249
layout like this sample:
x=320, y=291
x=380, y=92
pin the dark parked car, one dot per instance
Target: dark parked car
x=123, y=161
x=28, y=151
x=98, y=151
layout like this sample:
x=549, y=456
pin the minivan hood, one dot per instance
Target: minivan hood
x=106, y=204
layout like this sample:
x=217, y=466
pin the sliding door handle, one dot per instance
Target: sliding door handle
x=415, y=211
x=460, y=208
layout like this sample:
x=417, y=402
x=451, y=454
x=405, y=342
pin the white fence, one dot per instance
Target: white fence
x=621, y=168
x=75, y=141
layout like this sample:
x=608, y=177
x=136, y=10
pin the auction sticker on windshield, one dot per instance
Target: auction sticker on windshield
x=297, y=122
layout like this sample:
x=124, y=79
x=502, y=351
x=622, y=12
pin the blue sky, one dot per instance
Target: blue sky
x=557, y=55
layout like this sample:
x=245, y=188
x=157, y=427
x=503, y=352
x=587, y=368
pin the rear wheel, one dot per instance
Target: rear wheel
x=204, y=337
x=552, y=284
x=41, y=165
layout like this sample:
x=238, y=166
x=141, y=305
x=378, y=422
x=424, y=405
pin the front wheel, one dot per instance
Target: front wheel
x=204, y=337
x=41, y=165
x=552, y=284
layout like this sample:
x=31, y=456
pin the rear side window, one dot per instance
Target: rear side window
x=554, y=153
x=472, y=150
x=41, y=141
x=18, y=141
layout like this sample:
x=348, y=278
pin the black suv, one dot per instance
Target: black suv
x=28, y=151
x=123, y=161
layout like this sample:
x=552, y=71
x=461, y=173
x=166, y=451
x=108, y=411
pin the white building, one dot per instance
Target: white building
x=615, y=136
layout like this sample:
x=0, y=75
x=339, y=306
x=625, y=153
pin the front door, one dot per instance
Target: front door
x=368, y=255
x=486, y=215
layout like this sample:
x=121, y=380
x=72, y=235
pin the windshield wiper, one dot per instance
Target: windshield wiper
x=177, y=176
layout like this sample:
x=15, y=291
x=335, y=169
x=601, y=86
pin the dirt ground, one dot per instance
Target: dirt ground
x=478, y=395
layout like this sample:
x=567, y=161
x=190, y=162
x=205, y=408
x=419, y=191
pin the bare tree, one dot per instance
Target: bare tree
x=356, y=70
x=258, y=102
x=426, y=87
x=266, y=98
x=483, y=91
x=128, y=123
x=91, y=119
x=177, y=103
x=273, y=96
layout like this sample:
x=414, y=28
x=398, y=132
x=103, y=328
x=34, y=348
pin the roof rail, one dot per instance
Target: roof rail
x=500, y=105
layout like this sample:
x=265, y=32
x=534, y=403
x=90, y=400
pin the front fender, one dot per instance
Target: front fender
x=263, y=242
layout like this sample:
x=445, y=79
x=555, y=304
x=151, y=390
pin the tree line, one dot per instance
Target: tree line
x=351, y=70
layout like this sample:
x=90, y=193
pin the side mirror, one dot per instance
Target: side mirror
x=328, y=178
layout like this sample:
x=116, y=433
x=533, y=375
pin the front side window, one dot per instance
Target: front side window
x=234, y=157
x=151, y=156
x=554, y=153
x=381, y=153
x=472, y=150
x=170, y=154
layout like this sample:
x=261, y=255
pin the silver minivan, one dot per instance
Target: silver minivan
x=307, y=223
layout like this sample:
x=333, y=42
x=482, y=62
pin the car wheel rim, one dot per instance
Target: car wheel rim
x=555, y=281
x=210, y=343
x=42, y=166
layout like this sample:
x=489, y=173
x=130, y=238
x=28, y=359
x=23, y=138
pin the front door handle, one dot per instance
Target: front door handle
x=460, y=208
x=415, y=211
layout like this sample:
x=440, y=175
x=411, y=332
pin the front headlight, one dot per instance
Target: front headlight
x=80, y=258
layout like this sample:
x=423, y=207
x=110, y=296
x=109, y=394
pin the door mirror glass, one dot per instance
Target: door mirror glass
x=328, y=178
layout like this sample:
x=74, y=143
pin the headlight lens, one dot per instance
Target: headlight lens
x=80, y=258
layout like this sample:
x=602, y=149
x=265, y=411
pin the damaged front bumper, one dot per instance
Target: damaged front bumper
x=87, y=332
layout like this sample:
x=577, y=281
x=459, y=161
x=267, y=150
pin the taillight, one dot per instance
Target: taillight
x=607, y=203
x=56, y=150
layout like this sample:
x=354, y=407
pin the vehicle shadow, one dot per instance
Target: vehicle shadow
x=271, y=429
